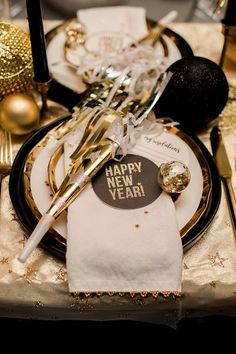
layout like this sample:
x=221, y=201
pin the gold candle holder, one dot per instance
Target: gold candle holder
x=229, y=46
x=42, y=88
x=49, y=110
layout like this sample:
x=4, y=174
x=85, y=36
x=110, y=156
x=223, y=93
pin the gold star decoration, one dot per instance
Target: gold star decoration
x=228, y=222
x=4, y=260
x=38, y=303
x=61, y=274
x=212, y=284
x=29, y=275
x=23, y=240
x=185, y=266
x=216, y=260
x=81, y=305
x=14, y=216
x=138, y=301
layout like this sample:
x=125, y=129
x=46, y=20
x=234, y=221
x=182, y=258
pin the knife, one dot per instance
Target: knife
x=225, y=171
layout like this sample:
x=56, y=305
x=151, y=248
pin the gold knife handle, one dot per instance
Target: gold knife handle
x=231, y=201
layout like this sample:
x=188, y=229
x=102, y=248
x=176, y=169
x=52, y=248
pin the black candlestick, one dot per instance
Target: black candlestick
x=49, y=110
x=41, y=72
x=38, y=48
x=230, y=13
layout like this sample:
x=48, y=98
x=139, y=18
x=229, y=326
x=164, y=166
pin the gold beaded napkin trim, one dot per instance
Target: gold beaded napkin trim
x=143, y=294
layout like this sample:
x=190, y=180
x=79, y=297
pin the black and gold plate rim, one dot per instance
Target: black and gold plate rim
x=57, y=244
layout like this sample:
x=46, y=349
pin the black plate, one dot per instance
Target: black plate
x=29, y=221
x=214, y=201
x=16, y=189
x=69, y=98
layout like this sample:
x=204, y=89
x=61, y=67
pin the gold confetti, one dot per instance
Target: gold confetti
x=81, y=305
x=38, y=303
x=213, y=284
x=61, y=274
x=137, y=226
x=22, y=241
x=146, y=212
x=14, y=217
x=216, y=260
x=4, y=260
x=29, y=275
x=138, y=301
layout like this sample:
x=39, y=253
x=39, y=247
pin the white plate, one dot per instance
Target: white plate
x=63, y=72
x=187, y=205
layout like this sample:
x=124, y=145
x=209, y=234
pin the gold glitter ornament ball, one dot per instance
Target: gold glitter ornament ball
x=16, y=67
x=173, y=177
x=19, y=114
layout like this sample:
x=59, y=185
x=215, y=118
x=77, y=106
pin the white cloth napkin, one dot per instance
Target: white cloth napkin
x=110, y=249
x=126, y=250
x=123, y=19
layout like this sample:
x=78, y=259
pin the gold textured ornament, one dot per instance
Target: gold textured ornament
x=19, y=114
x=174, y=177
x=16, y=67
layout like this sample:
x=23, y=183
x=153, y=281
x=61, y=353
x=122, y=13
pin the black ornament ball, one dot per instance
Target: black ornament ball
x=196, y=94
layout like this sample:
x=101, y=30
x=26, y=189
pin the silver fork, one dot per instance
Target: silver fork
x=6, y=154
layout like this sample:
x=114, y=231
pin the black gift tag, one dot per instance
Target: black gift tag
x=129, y=184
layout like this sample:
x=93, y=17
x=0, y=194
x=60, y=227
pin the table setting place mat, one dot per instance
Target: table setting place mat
x=207, y=267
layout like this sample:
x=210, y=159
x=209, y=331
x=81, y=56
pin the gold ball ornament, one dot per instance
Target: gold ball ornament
x=19, y=114
x=174, y=177
x=16, y=67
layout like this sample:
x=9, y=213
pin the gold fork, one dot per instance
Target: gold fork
x=6, y=154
